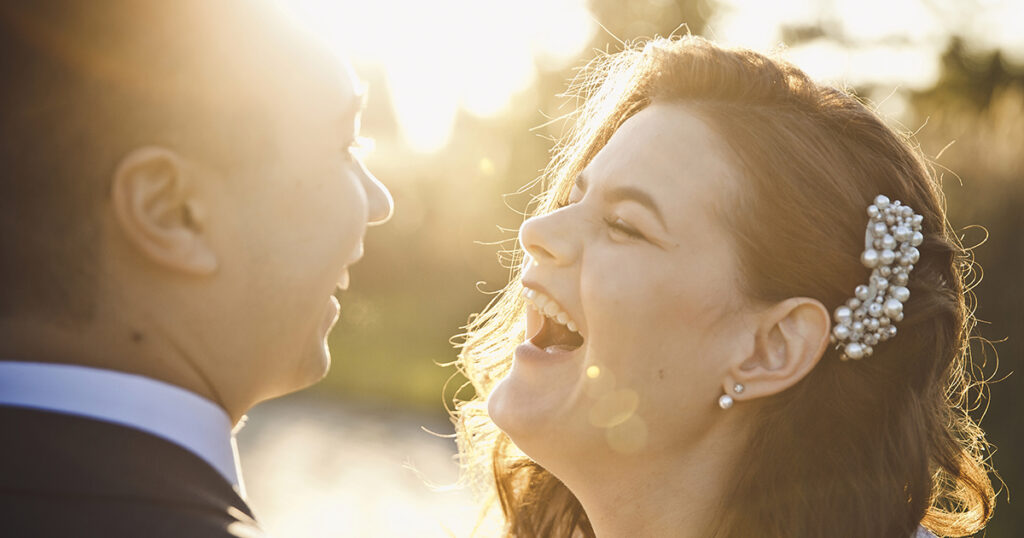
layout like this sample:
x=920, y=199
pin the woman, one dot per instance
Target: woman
x=666, y=362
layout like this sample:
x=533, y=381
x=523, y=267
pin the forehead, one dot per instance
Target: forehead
x=670, y=152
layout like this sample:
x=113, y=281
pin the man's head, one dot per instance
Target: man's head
x=178, y=174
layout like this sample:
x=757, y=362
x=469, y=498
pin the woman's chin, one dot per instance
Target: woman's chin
x=529, y=412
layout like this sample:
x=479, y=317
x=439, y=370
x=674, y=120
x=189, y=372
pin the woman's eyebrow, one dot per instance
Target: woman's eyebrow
x=618, y=194
x=627, y=192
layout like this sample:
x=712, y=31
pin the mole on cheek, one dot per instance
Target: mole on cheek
x=137, y=337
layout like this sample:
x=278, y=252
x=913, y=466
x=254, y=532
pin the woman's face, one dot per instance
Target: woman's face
x=641, y=267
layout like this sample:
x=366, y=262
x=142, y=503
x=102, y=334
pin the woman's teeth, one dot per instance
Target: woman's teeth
x=549, y=308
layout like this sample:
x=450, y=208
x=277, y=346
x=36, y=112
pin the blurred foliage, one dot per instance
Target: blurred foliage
x=428, y=269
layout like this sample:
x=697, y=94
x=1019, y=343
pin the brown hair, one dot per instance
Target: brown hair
x=861, y=448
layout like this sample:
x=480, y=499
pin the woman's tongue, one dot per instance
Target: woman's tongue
x=555, y=337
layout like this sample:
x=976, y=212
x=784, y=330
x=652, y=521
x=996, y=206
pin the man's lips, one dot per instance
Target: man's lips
x=343, y=281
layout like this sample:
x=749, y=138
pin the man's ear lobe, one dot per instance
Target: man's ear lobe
x=789, y=342
x=156, y=208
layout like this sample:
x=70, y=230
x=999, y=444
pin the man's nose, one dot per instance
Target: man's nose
x=379, y=201
x=547, y=240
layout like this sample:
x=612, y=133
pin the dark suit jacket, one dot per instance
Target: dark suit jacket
x=68, y=476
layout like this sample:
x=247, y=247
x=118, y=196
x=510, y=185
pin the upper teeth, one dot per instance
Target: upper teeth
x=549, y=308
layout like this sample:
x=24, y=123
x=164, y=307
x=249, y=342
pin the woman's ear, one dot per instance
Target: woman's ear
x=159, y=212
x=791, y=338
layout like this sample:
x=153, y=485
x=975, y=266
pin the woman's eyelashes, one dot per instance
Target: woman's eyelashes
x=616, y=224
x=620, y=226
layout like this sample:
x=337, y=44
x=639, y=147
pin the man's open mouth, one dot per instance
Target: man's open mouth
x=558, y=332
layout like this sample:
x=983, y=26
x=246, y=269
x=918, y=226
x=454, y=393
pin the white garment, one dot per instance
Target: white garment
x=157, y=408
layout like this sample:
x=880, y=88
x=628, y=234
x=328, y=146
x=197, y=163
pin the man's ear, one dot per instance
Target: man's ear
x=156, y=207
x=791, y=338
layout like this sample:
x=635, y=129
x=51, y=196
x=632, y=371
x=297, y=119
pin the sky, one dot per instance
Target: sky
x=443, y=56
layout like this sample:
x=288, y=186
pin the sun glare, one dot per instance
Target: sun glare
x=446, y=55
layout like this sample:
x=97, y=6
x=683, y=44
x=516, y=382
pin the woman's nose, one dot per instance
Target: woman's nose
x=380, y=205
x=546, y=240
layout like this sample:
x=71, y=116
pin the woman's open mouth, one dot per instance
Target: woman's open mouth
x=558, y=332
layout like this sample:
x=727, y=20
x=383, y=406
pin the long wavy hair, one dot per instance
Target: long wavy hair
x=859, y=448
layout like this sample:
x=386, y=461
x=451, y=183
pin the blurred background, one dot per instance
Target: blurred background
x=462, y=98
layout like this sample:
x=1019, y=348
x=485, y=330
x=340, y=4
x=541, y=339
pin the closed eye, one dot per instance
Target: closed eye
x=619, y=225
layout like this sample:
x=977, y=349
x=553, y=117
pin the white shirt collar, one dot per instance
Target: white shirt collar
x=142, y=403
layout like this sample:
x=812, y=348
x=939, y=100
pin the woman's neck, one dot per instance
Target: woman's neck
x=669, y=494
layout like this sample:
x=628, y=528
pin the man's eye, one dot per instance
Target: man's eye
x=621, y=226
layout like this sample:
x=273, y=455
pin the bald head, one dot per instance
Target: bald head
x=85, y=83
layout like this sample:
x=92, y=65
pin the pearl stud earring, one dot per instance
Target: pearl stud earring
x=725, y=401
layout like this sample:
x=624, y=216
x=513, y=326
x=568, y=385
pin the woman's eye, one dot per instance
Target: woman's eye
x=621, y=226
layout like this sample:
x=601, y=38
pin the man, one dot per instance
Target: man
x=179, y=205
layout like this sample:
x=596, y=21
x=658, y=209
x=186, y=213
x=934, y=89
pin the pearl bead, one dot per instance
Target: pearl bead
x=882, y=201
x=900, y=279
x=906, y=212
x=892, y=331
x=916, y=239
x=738, y=388
x=842, y=332
x=893, y=308
x=881, y=283
x=913, y=254
x=873, y=211
x=854, y=350
x=862, y=292
x=843, y=314
x=902, y=233
x=888, y=242
x=725, y=401
x=885, y=270
x=916, y=221
x=869, y=258
x=879, y=229
x=868, y=350
x=890, y=220
x=875, y=310
x=853, y=302
x=858, y=327
x=887, y=257
x=884, y=322
x=901, y=293
x=871, y=324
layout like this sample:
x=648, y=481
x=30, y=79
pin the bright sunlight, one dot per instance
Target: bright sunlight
x=446, y=55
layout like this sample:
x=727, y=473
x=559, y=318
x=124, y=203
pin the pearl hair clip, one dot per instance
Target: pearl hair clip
x=890, y=251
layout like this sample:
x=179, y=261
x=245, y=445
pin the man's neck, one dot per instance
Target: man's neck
x=107, y=346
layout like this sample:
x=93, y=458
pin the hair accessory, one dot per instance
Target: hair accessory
x=890, y=251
